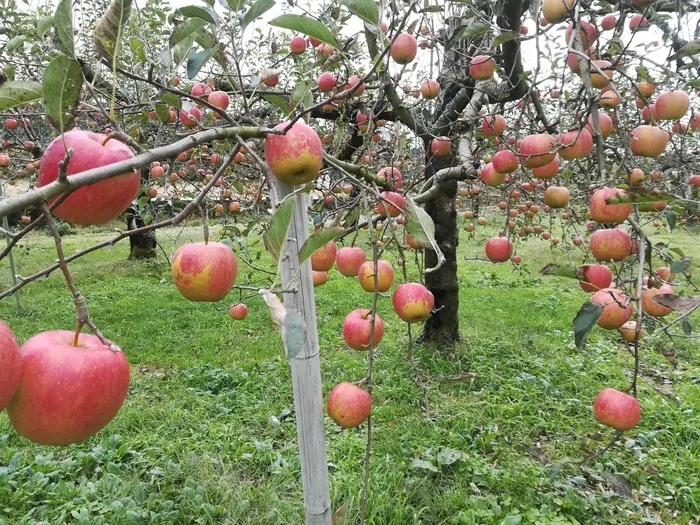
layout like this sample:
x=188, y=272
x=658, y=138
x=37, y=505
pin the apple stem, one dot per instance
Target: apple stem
x=109, y=137
x=63, y=165
x=78, y=328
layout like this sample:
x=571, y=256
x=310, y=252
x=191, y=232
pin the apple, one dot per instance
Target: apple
x=535, y=150
x=556, y=196
x=482, y=67
x=664, y=273
x=505, y=161
x=556, y=10
x=490, y=176
x=204, y=271
x=628, y=332
x=394, y=205
x=649, y=113
x=649, y=141
x=5, y=160
x=349, y=259
x=617, y=310
x=439, y=146
x=672, y=105
x=588, y=34
x=616, y=409
x=219, y=99
x=102, y=201
x=200, y=89
x=322, y=259
x=595, y=277
x=638, y=22
x=349, y=405
x=357, y=329
x=694, y=180
x=404, y=49
x=605, y=122
x=609, y=99
x=694, y=123
x=393, y=176
x=577, y=144
x=385, y=276
x=650, y=306
x=608, y=22
x=269, y=77
x=67, y=393
x=10, y=365
x=608, y=213
x=324, y=49
x=413, y=302
x=636, y=176
x=493, y=125
x=319, y=278
x=353, y=81
x=646, y=88
x=547, y=171
x=599, y=80
x=326, y=82
x=297, y=156
x=499, y=249
x=430, y=89
x=238, y=311
x=11, y=123
x=297, y=45
x=610, y=244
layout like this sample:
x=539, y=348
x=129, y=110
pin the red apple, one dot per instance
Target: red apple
x=547, y=171
x=67, y=393
x=493, y=125
x=393, y=176
x=490, y=176
x=608, y=213
x=238, y=311
x=357, y=329
x=10, y=362
x=349, y=405
x=588, y=34
x=297, y=156
x=413, y=302
x=608, y=22
x=610, y=244
x=385, y=275
x=349, y=259
x=535, y=150
x=204, y=271
x=404, y=48
x=557, y=10
x=505, y=161
x=649, y=141
x=664, y=273
x=482, y=67
x=319, y=278
x=219, y=99
x=322, y=259
x=577, y=144
x=556, y=196
x=601, y=80
x=430, y=89
x=297, y=45
x=605, y=122
x=628, y=331
x=646, y=88
x=102, y=201
x=616, y=409
x=200, y=89
x=650, y=306
x=394, y=205
x=609, y=99
x=617, y=310
x=439, y=146
x=694, y=180
x=672, y=105
x=326, y=82
x=638, y=22
x=636, y=176
x=595, y=277
x=499, y=249
x=353, y=81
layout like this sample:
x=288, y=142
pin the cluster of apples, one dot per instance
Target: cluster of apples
x=194, y=115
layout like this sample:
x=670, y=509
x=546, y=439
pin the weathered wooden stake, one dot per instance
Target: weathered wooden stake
x=306, y=365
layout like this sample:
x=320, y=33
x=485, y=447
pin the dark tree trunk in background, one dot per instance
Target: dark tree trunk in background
x=442, y=326
x=143, y=245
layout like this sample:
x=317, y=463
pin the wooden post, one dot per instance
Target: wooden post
x=306, y=365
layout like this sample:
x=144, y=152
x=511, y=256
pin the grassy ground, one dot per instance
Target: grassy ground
x=207, y=433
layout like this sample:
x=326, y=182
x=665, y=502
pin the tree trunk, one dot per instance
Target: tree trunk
x=143, y=245
x=442, y=326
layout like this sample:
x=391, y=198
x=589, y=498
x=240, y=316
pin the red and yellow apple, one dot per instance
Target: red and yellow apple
x=385, y=275
x=413, y=302
x=617, y=309
x=357, y=329
x=297, y=156
x=9, y=365
x=611, y=244
x=322, y=259
x=349, y=405
x=204, y=271
x=616, y=409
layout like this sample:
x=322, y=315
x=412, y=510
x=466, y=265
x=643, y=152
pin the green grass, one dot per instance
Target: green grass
x=207, y=433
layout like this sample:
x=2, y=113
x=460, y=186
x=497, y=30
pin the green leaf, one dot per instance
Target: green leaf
x=278, y=101
x=690, y=49
x=186, y=31
x=10, y=71
x=13, y=94
x=163, y=112
x=276, y=234
x=585, y=320
x=259, y=8
x=43, y=25
x=424, y=465
x=138, y=49
x=687, y=328
x=171, y=99
x=671, y=218
x=63, y=22
x=448, y=456
x=15, y=43
x=512, y=519
x=307, y=26
x=62, y=82
x=681, y=265
x=235, y=5
x=110, y=28
x=367, y=10
x=643, y=75
x=181, y=49
x=432, y=9
x=303, y=94
x=196, y=61
x=421, y=227
x=504, y=37
x=561, y=270
x=471, y=31
x=194, y=11
x=318, y=240
x=294, y=333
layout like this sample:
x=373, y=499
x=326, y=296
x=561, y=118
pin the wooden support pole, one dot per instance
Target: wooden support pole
x=306, y=365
